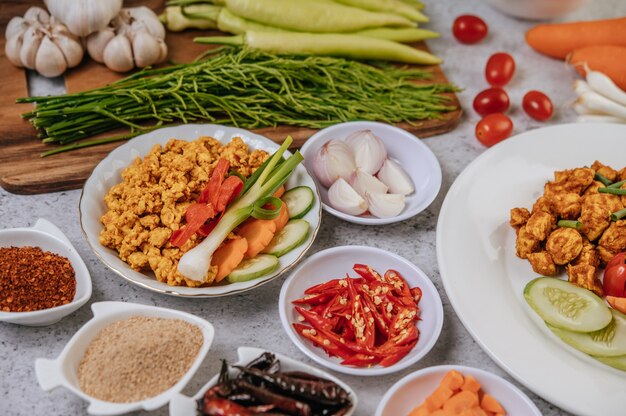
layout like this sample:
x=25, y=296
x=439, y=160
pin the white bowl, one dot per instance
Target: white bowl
x=108, y=173
x=182, y=405
x=412, y=390
x=410, y=152
x=62, y=371
x=537, y=9
x=48, y=237
x=337, y=261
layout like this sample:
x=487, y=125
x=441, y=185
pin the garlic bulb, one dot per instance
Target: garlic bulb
x=363, y=183
x=83, y=17
x=343, y=198
x=134, y=38
x=398, y=181
x=385, y=205
x=334, y=160
x=40, y=42
x=368, y=149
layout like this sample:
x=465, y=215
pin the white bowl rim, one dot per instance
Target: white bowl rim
x=425, y=346
x=432, y=159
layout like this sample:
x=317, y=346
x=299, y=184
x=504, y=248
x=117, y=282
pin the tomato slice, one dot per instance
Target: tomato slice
x=614, y=281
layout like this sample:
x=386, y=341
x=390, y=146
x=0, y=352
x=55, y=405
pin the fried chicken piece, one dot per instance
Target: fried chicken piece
x=614, y=238
x=595, y=213
x=542, y=263
x=566, y=206
x=571, y=180
x=621, y=174
x=604, y=170
x=564, y=245
x=605, y=254
x=593, y=188
x=525, y=243
x=588, y=255
x=540, y=225
x=519, y=216
x=584, y=275
x=542, y=204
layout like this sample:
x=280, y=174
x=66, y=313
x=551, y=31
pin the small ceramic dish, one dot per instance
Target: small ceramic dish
x=48, y=237
x=537, y=9
x=182, y=405
x=411, y=153
x=410, y=391
x=337, y=261
x=62, y=371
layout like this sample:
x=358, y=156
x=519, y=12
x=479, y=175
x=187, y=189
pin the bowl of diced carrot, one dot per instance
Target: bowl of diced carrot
x=452, y=390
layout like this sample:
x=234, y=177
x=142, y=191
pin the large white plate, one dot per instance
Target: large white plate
x=107, y=174
x=484, y=279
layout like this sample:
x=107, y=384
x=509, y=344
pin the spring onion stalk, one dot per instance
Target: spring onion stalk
x=570, y=224
x=617, y=184
x=600, y=177
x=273, y=174
x=618, y=215
x=614, y=191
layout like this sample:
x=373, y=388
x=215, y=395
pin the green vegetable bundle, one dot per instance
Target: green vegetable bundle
x=244, y=88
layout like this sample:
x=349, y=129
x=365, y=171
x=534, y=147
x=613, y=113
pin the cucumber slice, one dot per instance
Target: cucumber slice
x=618, y=362
x=566, y=306
x=299, y=201
x=254, y=268
x=607, y=342
x=290, y=237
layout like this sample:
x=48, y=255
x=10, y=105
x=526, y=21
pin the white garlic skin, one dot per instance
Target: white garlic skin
x=49, y=60
x=363, y=183
x=343, y=198
x=368, y=149
x=83, y=17
x=396, y=178
x=333, y=160
x=118, y=54
x=385, y=205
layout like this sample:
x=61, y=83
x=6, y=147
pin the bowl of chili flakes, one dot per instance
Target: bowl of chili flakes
x=42, y=276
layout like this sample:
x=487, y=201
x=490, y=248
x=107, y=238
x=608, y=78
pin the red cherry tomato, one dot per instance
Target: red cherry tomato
x=469, y=28
x=500, y=68
x=493, y=129
x=614, y=281
x=537, y=105
x=491, y=100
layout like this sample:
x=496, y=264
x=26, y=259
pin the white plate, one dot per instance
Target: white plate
x=337, y=261
x=182, y=405
x=61, y=372
x=48, y=237
x=411, y=153
x=485, y=280
x=107, y=174
x=411, y=391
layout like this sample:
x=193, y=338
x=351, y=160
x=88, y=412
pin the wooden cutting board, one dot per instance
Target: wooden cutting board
x=24, y=171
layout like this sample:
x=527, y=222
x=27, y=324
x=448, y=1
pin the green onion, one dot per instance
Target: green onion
x=605, y=181
x=570, y=224
x=614, y=191
x=618, y=215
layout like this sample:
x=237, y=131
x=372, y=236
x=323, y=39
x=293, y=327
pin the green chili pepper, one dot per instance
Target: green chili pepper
x=390, y=6
x=195, y=17
x=345, y=45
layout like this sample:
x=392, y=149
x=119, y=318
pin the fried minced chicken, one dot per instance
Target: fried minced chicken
x=586, y=239
x=150, y=202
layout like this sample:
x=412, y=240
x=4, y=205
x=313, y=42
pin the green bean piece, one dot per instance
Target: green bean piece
x=618, y=215
x=570, y=224
x=617, y=184
x=343, y=45
x=614, y=191
x=390, y=6
x=605, y=181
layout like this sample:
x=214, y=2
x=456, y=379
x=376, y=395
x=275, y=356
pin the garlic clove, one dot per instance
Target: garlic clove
x=96, y=42
x=30, y=44
x=163, y=49
x=396, y=178
x=149, y=19
x=49, y=61
x=385, y=205
x=363, y=183
x=15, y=27
x=36, y=15
x=118, y=54
x=70, y=47
x=368, y=149
x=343, y=198
x=12, y=50
x=146, y=49
x=333, y=160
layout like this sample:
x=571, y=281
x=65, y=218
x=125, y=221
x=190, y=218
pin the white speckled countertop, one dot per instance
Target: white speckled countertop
x=252, y=318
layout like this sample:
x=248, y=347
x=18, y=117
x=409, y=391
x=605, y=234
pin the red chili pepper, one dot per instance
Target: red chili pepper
x=229, y=190
x=417, y=294
x=391, y=359
x=316, y=299
x=367, y=272
x=361, y=360
x=210, y=192
x=196, y=215
x=378, y=318
x=401, y=288
x=331, y=348
x=323, y=287
x=362, y=319
x=209, y=226
x=224, y=407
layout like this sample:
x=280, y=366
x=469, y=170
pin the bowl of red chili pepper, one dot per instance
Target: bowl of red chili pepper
x=42, y=276
x=361, y=310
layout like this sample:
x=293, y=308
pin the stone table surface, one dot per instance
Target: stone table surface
x=252, y=318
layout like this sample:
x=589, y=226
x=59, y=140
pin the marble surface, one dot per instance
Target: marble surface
x=252, y=318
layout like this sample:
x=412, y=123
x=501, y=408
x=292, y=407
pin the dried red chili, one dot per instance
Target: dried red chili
x=31, y=279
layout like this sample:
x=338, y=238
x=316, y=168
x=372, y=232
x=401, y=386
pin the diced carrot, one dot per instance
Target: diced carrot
x=471, y=384
x=491, y=404
x=282, y=219
x=228, y=257
x=259, y=234
x=616, y=303
x=460, y=402
x=419, y=411
x=438, y=413
x=438, y=397
x=453, y=379
x=279, y=192
x=474, y=411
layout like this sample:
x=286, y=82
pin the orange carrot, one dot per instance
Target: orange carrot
x=559, y=39
x=259, y=234
x=453, y=379
x=471, y=384
x=438, y=398
x=490, y=404
x=616, y=303
x=228, y=257
x=279, y=192
x=282, y=219
x=610, y=60
x=474, y=411
x=460, y=402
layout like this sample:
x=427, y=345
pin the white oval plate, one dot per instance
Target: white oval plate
x=484, y=279
x=107, y=174
x=410, y=152
x=48, y=237
x=61, y=371
x=337, y=261
x=182, y=405
x=411, y=391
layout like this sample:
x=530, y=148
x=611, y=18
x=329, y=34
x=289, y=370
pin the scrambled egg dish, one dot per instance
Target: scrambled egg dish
x=150, y=202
